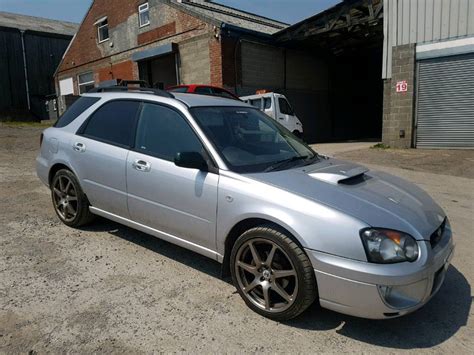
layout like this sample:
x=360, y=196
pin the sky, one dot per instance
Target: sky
x=289, y=11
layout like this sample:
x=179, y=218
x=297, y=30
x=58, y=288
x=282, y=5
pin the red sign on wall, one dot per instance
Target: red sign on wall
x=402, y=86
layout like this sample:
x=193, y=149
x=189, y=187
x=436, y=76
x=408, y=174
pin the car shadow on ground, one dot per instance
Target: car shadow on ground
x=431, y=325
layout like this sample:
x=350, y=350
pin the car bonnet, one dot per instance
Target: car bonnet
x=376, y=198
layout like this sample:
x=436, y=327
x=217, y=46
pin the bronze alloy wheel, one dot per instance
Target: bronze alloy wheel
x=65, y=198
x=272, y=273
x=69, y=201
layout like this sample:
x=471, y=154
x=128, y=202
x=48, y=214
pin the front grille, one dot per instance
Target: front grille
x=437, y=235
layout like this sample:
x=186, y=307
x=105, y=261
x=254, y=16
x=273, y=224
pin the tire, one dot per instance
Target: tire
x=69, y=201
x=283, y=266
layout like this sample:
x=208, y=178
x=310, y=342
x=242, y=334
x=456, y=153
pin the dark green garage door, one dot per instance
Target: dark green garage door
x=445, y=102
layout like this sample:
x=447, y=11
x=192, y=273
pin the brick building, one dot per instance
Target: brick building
x=362, y=69
x=164, y=42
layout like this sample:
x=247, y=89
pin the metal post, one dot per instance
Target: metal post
x=25, y=67
x=176, y=63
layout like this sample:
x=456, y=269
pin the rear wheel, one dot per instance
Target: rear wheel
x=69, y=201
x=272, y=274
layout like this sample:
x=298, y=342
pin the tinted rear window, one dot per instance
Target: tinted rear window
x=76, y=109
x=113, y=123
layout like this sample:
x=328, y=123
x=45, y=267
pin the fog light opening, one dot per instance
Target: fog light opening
x=402, y=296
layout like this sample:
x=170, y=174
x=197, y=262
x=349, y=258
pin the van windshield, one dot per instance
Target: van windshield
x=250, y=141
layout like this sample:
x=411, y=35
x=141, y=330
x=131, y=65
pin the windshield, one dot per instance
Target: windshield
x=250, y=141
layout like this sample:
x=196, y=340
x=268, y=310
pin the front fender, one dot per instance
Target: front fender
x=315, y=226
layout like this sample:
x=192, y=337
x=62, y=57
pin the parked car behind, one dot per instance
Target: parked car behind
x=203, y=90
x=277, y=107
x=223, y=179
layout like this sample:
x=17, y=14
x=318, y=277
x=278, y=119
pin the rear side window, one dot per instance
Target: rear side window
x=76, y=109
x=113, y=123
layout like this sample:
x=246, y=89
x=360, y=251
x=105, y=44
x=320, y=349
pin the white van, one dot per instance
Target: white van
x=277, y=107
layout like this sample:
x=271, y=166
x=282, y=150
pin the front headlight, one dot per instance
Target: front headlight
x=385, y=246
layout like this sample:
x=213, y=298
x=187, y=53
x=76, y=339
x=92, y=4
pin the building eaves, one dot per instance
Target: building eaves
x=37, y=24
x=219, y=14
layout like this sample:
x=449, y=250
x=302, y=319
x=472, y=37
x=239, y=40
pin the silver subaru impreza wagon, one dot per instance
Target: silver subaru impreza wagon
x=221, y=178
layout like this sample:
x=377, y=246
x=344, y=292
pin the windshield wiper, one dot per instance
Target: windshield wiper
x=281, y=163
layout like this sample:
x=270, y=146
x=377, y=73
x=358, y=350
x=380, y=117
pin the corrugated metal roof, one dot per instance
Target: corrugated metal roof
x=230, y=15
x=23, y=22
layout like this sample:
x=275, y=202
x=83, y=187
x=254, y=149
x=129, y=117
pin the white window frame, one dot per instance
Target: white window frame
x=141, y=9
x=79, y=84
x=99, y=26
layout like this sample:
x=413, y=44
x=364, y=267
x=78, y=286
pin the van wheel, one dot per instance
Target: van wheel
x=272, y=273
x=69, y=201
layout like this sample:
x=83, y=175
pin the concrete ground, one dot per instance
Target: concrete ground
x=107, y=288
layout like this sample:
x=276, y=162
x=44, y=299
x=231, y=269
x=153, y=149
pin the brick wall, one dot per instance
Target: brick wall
x=157, y=33
x=85, y=48
x=215, y=61
x=398, y=110
x=107, y=59
x=126, y=70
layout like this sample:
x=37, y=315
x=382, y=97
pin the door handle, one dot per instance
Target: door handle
x=281, y=118
x=141, y=165
x=79, y=147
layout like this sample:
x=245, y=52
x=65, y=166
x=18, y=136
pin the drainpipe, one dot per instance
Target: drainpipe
x=25, y=67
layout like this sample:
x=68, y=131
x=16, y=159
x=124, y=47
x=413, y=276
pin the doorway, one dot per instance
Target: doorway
x=160, y=72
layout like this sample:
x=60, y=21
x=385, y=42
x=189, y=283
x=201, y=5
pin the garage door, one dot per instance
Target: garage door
x=445, y=102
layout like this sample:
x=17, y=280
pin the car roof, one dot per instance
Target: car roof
x=190, y=100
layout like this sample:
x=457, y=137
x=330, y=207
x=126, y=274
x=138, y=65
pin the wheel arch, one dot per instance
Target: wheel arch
x=245, y=225
x=55, y=168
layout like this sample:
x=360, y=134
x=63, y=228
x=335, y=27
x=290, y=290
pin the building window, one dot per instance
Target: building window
x=86, y=82
x=103, y=30
x=144, y=15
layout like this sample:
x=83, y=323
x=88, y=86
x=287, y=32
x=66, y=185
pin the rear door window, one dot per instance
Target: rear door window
x=113, y=123
x=76, y=109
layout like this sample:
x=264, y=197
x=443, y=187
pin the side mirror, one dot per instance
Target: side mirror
x=190, y=160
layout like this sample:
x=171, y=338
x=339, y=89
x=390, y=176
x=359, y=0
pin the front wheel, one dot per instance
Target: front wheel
x=272, y=273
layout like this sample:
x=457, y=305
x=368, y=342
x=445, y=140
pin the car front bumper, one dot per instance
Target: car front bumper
x=379, y=291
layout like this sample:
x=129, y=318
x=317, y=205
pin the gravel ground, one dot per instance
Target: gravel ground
x=107, y=288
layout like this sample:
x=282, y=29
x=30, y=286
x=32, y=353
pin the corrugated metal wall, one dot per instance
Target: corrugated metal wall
x=421, y=21
x=43, y=53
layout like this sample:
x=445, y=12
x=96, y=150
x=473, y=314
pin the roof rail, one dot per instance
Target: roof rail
x=123, y=87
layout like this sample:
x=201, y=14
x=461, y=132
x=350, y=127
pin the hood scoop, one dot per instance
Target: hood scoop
x=336, y=174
